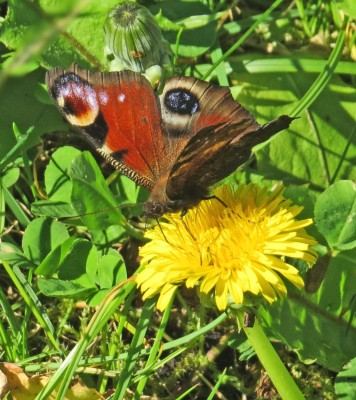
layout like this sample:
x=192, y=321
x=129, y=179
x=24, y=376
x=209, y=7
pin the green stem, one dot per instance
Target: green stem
x=270, y=360
x=243, y=37
x=324, y=77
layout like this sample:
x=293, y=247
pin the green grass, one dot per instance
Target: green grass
x=288, y=58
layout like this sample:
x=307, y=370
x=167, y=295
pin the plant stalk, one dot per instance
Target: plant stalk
x=270, y=360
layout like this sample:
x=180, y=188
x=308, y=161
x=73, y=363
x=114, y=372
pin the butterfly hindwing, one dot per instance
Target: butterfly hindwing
x=217, y=152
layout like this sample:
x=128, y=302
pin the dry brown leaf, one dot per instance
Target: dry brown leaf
x=23, y=387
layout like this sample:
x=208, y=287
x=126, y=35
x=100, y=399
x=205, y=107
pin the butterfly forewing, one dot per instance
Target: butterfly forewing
x=189, y=105
x=118, y=113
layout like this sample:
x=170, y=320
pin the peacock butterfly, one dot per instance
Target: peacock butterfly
x=176, y=144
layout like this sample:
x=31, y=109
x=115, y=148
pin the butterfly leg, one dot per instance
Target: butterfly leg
x=215, y=198
x=186, y=226
x=160, y=228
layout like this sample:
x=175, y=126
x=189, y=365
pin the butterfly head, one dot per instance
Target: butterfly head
x=155, y=209
x=156, y=206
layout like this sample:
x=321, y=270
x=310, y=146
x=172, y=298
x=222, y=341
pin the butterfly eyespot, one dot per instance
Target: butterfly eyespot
x=181, y=101
x=77, y=99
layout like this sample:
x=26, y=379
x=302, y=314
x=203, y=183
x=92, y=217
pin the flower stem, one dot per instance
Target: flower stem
x=270, y=360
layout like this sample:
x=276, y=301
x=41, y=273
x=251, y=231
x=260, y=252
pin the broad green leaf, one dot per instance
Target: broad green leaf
x=111, y=270
x=55, y=209
x=57, y=180
x=20, y=105
x=11, y=176
x=41, y=237
x=14, y=256
x=337, y=289
x=54, y=259
x=72, y=31
x=81, y=264
x=302, y=320
x=194, y=42
x=113, y=234
x=61, y=288
x=134, y=196
x=345, y=383
x=311, y=149
x=82, y=272
x=128, y=189
x=91, y=196
x=94, y=299
x=198, y=24
x=348, y=6
x=303, y=196
x=335, y=215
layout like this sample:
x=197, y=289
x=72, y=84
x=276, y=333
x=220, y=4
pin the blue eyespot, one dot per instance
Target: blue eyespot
x=181, y=101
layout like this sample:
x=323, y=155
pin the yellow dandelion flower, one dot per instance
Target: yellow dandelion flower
x=229, y=249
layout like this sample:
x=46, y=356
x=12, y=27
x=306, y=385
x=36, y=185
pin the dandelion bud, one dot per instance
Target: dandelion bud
x=134, y=39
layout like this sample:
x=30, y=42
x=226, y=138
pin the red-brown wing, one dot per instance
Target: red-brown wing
x=118, y=113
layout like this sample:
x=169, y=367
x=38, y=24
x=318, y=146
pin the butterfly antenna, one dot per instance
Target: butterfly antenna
x=213, y=197
x=97, y=212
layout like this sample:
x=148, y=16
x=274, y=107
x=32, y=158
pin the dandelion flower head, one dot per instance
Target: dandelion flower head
x=228, y=248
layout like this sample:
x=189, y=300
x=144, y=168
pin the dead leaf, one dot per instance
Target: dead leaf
x=23, y=387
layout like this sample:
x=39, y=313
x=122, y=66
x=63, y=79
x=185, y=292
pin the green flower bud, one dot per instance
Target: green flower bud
x=134, y=39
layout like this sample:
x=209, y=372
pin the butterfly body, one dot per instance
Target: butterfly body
x=176, y=144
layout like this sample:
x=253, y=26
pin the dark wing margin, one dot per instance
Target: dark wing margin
x=214, y=153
